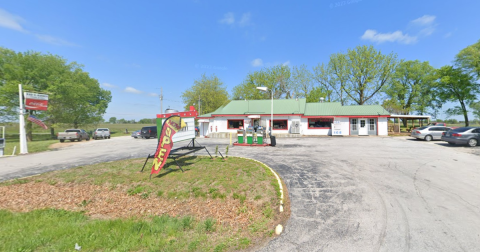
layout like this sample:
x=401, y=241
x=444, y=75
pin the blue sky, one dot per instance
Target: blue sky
x=134, y=48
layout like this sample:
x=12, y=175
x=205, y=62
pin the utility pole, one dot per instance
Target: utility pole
x=161, y=100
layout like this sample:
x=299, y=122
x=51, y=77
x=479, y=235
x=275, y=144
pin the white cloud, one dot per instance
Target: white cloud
x=257, y=63
x=228, y=18
x=108, y=85
x=396, y=36
x=132, y=90
x=245, y=19
x=426, y=23
x=11, y=21
x=152, y=94
x=286, y=63
x=447, y=35
x=424, y=20
x=54, y=41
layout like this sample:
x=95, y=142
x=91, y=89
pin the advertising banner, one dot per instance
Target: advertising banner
x=34, y=101
x=170, y=126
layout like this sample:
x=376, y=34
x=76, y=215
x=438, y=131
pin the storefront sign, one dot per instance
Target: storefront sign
x=34, y=101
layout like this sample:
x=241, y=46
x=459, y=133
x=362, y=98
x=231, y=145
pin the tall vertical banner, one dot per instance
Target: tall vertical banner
x=34, y=101
x=171, y=125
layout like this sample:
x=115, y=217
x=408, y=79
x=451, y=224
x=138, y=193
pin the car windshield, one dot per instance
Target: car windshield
x=102, y=129
x=462, y=129
x=422, y=128
x=72, y=130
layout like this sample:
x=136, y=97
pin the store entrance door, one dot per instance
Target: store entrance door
x=363, y=129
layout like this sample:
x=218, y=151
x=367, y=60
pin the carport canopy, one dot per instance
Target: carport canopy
x=410, y=117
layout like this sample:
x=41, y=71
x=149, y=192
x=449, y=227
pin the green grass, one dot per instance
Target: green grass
x=205, y=179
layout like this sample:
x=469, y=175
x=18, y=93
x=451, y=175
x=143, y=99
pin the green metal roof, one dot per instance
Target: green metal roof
x=249, y=107
x=335, y=108
x=292, y=106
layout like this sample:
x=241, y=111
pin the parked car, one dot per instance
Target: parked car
x=101, y=133
x=429, y=133
x=136, y=134
x=72, y=135
x=149, y=131
x=463, y=135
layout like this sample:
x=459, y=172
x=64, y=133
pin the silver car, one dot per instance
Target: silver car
x=429, y=133
x=463, y=135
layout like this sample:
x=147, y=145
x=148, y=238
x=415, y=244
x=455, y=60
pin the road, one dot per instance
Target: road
x=347, y=193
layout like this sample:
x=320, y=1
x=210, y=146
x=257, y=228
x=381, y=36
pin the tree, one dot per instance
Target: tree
x=74, y=97
x=410, y=88
x=455, y=85
x=276, y=78
x=469, y=59
x=475, y=106
x=112, y=120
x=210, y=91
x=302, y=81
x=316, y=93
x=359, y=74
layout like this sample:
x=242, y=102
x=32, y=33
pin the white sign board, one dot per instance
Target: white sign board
x=337, y=128
x=186, y=133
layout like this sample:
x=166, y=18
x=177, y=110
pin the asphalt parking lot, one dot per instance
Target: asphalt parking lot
x=347, y=193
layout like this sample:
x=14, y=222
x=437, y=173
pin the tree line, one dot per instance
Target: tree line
x=75, y=98
x=362, y=75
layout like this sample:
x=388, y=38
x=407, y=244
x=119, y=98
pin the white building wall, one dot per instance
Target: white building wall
x=382, y=126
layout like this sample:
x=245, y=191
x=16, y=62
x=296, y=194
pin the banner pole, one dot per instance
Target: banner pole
x=23, y=137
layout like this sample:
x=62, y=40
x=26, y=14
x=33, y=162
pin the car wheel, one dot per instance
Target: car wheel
x=79, y=139
x=451, y=143
x=147, y=137
x=62, y=140
x=428, y=138
x=472, y=142
x=108, y=137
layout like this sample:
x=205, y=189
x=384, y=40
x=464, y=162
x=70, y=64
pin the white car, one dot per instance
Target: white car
x=101, y=133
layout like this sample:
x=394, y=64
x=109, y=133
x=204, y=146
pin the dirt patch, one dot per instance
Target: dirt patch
x=107, y=203
x=63, y=145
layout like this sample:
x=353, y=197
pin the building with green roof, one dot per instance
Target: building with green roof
x=296, y=116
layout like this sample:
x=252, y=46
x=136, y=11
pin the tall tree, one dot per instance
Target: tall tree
x=469, y=59
x=362, y=72
x=410, y=88
x=211, y=92
x=112, y=120
x=302, y=81
x=456, y=85
x=277, y=78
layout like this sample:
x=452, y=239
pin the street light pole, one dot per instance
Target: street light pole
x=265, y=89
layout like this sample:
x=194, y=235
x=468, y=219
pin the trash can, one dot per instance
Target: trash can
x=240, y=134
x=272, y=141
x=250, y=135
x=260, y=133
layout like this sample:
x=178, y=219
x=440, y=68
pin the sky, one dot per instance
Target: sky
x=135, y=49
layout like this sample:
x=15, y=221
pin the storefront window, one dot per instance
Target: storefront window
x=320, y=123
x=235, y=124
x=280, y=124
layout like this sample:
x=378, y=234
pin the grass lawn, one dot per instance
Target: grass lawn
x=215, y=205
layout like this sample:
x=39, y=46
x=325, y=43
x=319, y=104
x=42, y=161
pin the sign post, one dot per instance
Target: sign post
x=23, y=136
